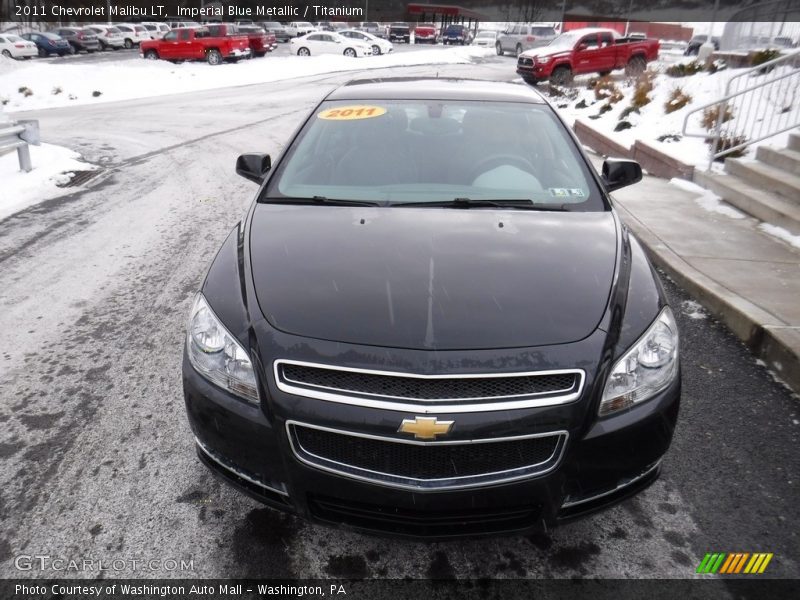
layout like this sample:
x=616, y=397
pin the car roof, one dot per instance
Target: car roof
x=421, y=88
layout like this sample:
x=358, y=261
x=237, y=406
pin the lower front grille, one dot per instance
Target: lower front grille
x=426, y=465
x=424, y=523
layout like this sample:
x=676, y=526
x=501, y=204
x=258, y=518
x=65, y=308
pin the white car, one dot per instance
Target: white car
x=327, y=42
x=133, y=34
x=485, y=38
x=156, y=30
x=13, y=46
x=378, y=45
x=108, y=36
x=299, y=28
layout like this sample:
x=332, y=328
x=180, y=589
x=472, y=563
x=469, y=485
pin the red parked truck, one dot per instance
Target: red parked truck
x=425, y=33
x=260, y=41
x=588, y=50
x=196, y=43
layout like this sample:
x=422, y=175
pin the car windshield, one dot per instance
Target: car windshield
x=433, y=151
x=566, y=40
x=486, y=34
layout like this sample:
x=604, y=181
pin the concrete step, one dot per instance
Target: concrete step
x=786, y=160
x=766, y=177
x=794, y=141
x=753, y=200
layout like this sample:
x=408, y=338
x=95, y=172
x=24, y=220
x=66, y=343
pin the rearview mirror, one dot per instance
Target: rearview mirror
x=620, y=172
x=253, y=166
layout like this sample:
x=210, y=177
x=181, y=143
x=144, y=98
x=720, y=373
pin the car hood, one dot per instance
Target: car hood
x=430, y=278
x=545, y=51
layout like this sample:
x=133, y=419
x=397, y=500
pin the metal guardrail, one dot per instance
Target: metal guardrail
x=758, y=103
x=17, y=136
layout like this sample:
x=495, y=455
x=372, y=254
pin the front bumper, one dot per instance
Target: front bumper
x=237, y=53
x=602, y=463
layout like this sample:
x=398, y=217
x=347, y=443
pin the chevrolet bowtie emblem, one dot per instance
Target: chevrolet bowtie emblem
x=425, y=428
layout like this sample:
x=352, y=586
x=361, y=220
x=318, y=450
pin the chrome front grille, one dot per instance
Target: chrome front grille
x=424, y=466
x=428, y=393
x=525, y=62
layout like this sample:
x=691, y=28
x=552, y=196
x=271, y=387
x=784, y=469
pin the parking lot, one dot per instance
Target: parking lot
x=97, y=457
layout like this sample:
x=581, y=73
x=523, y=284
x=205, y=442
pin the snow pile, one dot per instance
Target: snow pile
x=56, y=85
x=52, y=165
x=706, y=199
x=780, y=233
x=652, y=124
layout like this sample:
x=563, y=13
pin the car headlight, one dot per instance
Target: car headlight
x=216, y=354
x=646, y=369
x=541, y=59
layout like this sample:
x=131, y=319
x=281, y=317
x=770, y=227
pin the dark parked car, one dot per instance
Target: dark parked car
x=455, y=34
x=49, y=43
x=276, y=29
x=693, y=47
x=432, y=321
x=399, y=32
x=80, y=38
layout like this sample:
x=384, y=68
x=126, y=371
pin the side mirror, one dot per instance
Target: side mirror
x=619, y=173
x=253, y=166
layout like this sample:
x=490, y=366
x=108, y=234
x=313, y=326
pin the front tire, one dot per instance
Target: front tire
x=128, y=44
x=376, y=50
x=213, y=57
x=498, y=47
x=635, y=66
x=349, y=52
x=561, y=76
x=304, y=52
x=151, y=55
x=43, y=53
x=518, y=49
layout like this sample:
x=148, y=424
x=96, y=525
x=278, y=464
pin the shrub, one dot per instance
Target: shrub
x=623, y=125
x=581, y=104
x=25, y=91
x=57, y=90
x=644, y=85
x=761, y=56
x=726, y=141
x=4, y=101
x=606, y=89
x=97, y=94
x=716, y=65
x=709, y=120
x=677, y=100
x=685, y=69
x=604, y=109
x=669, y=137
x=627, y=112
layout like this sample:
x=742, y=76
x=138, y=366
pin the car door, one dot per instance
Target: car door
x=332, y=44
x=585, y=54
x=606, y=54
x=168, y=48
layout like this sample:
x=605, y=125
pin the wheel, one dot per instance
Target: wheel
x=151, y=55
x=260, y=54
x=128, y=44
x=604, y=73
x=530, y=80
x=89, y=51
x=498, y=47
x=495, y=160
x=561, y=76
x=518, y=49
x=635, y=66
x=376, y=50
x=303, y=52
x=349, y=52
x=42, y=52
x=6, y=53
x=213, y=57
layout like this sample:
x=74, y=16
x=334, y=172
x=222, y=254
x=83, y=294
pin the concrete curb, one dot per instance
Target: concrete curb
x=777, y=344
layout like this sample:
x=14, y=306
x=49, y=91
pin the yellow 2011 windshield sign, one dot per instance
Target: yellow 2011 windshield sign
x=351, y=113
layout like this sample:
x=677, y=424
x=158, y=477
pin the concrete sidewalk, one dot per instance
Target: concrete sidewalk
x=747, y=278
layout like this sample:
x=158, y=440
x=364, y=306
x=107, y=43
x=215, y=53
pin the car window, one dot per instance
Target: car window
x=171, y=36
x=429, y=150
x=543, y=31
x=606, y=39
x=590, y=41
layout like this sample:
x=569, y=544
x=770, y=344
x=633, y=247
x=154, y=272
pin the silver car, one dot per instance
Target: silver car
x=524, y=36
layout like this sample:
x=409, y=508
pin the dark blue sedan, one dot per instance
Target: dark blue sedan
x=49, y=43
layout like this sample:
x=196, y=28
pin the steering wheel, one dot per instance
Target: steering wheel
x=496, y=160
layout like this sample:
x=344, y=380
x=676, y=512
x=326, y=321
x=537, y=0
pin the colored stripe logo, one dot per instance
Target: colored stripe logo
x=733, y=563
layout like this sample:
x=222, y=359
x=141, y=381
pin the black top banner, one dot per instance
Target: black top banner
x=99, y=11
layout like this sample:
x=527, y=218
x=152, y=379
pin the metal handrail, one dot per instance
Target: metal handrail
x=750, y=130
x=17, y=136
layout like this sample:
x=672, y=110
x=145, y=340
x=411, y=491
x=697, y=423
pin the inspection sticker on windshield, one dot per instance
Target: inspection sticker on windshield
x=350, y=113
x=567, y=192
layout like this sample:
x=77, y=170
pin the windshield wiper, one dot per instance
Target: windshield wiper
x=521, y=203
x=319, y=200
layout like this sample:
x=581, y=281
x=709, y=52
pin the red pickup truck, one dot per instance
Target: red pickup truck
x=585, y=51
x=196, y=43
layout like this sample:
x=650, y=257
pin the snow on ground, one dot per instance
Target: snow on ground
x=780, y=233
x=52, y=165
x=706, y=199
x=67, y=85
x=653, y=122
